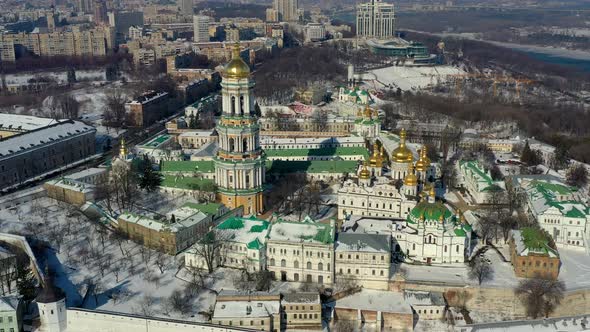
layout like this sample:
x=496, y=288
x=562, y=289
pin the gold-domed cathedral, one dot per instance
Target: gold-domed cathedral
x=240, y=161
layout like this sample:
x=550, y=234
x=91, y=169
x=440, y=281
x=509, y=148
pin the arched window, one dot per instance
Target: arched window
x=241, y=105
x=320, y=266
x=296, y=264
x=244, y=145
x=233, y=105
x=309, y=265
x=328, y=266
x=231, y=145
x=283, y=263
x=272, y=262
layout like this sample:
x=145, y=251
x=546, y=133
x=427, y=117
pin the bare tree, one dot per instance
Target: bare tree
x=117, y=268
x=540, y=296
x=161, y=261
x=114, y=114
x=480, y=269
x=125, y=187
x=209, y=248
x=146, y=255
x=66, y=106
x=146, y=305
x=179, y=302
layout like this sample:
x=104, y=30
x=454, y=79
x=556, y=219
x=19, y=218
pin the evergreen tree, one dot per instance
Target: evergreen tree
x=26, y=282
x=149, y=179
x=71, y=75
x=257, y=110
x=560, y=157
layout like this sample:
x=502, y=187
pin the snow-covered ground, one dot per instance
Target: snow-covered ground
x=61, y=77
x=575, y=268
x=132, y=281
x=503, y=275
x=413, y=78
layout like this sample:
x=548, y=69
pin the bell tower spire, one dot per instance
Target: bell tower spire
x=240, y=163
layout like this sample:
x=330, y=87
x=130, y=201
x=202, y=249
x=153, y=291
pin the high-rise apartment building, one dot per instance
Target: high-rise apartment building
x=287, y=10
x=201, y=28
x=272, y=15
x=375, y=19
x=100, y=12
x=93, y=42
x=185, y=7
x=84, y=6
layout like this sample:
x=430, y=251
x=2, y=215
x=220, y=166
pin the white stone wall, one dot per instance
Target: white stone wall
x=98, y=321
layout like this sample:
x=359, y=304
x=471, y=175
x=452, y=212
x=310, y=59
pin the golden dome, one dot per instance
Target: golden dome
x=236, y=68
x=402, y=154
x=411, y=179
x=376, y=160
x=423, y=163
x=432, y=193
x=368, y=112
x=123, y=149
x=364, y=174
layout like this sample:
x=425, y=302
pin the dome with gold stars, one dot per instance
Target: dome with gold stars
x=402, y=154
x=236, y=68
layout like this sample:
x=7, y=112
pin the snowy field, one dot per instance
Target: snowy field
x=125, y=277
x=413, y=78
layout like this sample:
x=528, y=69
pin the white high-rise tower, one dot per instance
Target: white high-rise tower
x=375, y=19
x=201, y=28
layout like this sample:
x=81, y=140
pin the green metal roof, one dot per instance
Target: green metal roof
x=315, y=166
x=431, y=211
x=208, y=208
x=191, y=183
x=156, y=141
x=188, y=166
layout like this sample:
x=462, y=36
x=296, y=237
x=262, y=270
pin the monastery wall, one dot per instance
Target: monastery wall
x=498, y=301
x=81, y=320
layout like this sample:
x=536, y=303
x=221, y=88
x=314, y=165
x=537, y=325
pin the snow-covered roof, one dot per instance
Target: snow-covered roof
x=313, y=298
x=302, y=232
x=23, y=122
x=416, y=298
x=360, y=224
x=9, y=303
x=549, y=194
x=245, y=309
x=73, y=185
x=185, y=217
x=271, y=140
x=250, y=231
x=197, y=133
x=380, y=243
x=42, y=136
x=532, y=241
x=376, y=300
x=86, y=173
